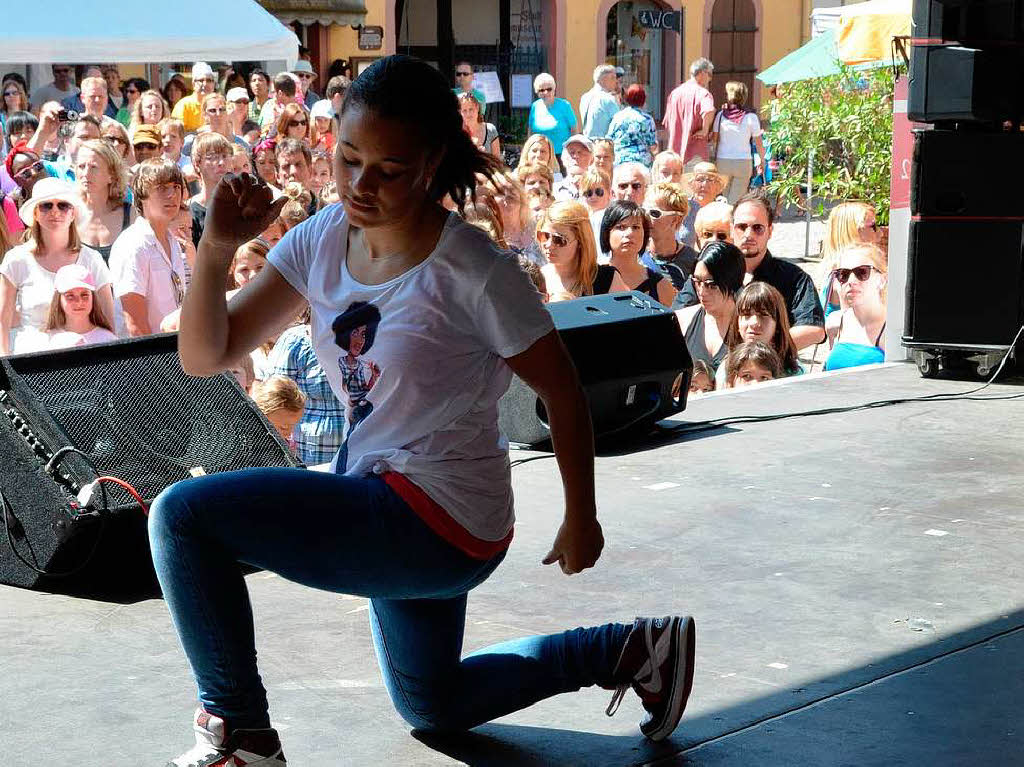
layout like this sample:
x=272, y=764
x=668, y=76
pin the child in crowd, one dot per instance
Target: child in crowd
x=667, y=167
x=321, y=171
x=249, y=261
x=280, y=400
x=321, y=136
x=251, y=132
x=75, y=319
x=172, y=139
x=211, y=156
x=240, y=160
x=701, y=382
x=750, y=363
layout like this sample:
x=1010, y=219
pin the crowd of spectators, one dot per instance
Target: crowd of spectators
x=102, y=216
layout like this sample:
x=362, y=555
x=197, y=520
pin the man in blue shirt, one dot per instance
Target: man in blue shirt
x=599, y=105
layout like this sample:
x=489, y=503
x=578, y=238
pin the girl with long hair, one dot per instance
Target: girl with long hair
x=75, y=318
x=537, y=150
x=761, y=316
x=419, y=321
x=567, y=243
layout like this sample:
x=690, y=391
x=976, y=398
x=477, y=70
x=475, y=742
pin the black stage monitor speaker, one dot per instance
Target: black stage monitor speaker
x=953, y=83
x=945, y=175
x=134, y=414
x=969, y=22
x=964, y=283
x=628, y=350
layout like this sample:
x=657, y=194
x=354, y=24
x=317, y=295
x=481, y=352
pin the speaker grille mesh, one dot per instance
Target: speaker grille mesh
x=144, y=420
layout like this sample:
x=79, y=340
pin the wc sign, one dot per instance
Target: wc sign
x=650, y=19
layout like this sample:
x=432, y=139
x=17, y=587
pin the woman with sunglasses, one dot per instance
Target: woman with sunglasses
x=625, y=230
x=15, y=100
x=29, y=270
x=718, y=277
x=116, y=135
x=568, y=246
x=293, y=122
x=25, y=168
x=667, y=207
x=551, y=117
x=134, y=87
x=848, y=223
x=858, y=338
x=595, y=193
x=102, y=182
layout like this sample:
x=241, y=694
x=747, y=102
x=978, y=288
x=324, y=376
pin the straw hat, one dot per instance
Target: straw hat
x=706, y=169
x=44, y=190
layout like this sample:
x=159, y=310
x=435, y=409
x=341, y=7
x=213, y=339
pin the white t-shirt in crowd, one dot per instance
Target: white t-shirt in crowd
x=423, y=393
x=139, y=264
x=50, y=92
x=64, y=339
x=734, y=138
x=34, y=286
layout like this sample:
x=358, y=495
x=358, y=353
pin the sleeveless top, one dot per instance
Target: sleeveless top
x=695, y=343
x=126, y=216
x=650, y=284
x=490, y=134
x=603, y=281
x=848, y=355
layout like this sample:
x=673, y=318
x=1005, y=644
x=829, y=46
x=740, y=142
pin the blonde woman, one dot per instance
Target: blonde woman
x=732, y=131
x=849, y=223
x=567, y=243
x=595, y=193
x=516, y=219
x=858, y=338
x=116, y=136
x=101, y=180
x=28, y=270
x=667, y=207
x=149, y=109
x=537, y=150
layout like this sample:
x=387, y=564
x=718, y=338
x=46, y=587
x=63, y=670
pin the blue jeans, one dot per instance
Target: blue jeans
x=354, y=536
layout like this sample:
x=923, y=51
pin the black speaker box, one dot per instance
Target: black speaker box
x=952, y=83
x=136, y=415
x=628, y=350
x=964, y=283
x=945, y=180
x=969, y=22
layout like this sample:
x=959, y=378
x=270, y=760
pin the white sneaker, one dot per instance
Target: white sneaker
x=242, y=748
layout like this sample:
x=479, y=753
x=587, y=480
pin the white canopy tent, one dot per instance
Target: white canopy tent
x=118, y=31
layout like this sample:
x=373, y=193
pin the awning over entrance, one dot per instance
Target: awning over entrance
x=342, y=12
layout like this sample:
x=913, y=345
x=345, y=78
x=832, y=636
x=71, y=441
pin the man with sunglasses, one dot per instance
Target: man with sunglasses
x=62, y=86
x=464, y=84
x=630, y=181
x=189, y=109
x=752, y=221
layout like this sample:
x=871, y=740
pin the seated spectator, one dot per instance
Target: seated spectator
x=295, y=164
x=761, y=316
x=596, y=194
x=567, y=242
x=211, y=154
x=321, y=135
x=702, y=381
x=667, y=166
x=28, y=270
x=576, y=158
x=101, y=181
x=752, y=362
x=75, y=317
x=858, y=337
x=713, y=222
x=630, y=182
x=26, y=170
x=483, y=134
x=667, y=208
x=848, y=223
x=323, y=171
x=604, y=155
x=632, y=129
x=718, y=277
x=321, y=429
x=537, y=150
x=534, y=176
x=150, y=109
x=282, y=403
x=116, y=135
x=625, y=230
x=146, y=260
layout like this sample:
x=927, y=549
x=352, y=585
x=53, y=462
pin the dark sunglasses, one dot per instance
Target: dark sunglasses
x=12, y=93
x=756, y=228
x=557, y=239
x=62, y=206
x=705, y=284
x=298, y=123
x=637, y=186
x=217, y=110
x=544, y=90
x=722, y=236
x=594, y=193
x=146, y=145
x=862, y=273
x=30, y=170
x=463, y=74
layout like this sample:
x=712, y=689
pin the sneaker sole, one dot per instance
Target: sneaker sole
x=684, y=648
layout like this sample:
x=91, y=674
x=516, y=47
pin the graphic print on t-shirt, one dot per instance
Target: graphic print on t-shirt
x=354, y=332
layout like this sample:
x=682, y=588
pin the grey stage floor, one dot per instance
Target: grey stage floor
x=855, y=580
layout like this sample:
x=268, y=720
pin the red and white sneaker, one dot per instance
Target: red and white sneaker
x=657, y=662
x=242, y=748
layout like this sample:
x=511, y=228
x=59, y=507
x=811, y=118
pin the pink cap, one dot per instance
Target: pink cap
x=73, y=276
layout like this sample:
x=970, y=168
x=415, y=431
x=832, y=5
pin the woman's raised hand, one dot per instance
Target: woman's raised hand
x=241, y=207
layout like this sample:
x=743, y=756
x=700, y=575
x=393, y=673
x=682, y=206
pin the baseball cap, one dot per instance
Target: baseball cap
x=146, y=134
x=234, y=94
x=579, y=138
x=201, y=69
x=73, y=276
x=322, y=108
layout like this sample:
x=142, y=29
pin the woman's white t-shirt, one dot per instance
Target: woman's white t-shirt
x=64, y=339
x=423, y=392
x=34, y=286
x=734, y=138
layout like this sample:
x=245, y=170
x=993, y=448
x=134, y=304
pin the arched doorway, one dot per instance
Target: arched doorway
x=647, y=56
x=733, y=45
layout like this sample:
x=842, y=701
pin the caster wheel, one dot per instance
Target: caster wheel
x=929, y=368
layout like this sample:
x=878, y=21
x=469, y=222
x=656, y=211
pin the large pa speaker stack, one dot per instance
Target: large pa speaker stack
x=129, y=411
x=632, y=361
x=966, y=262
